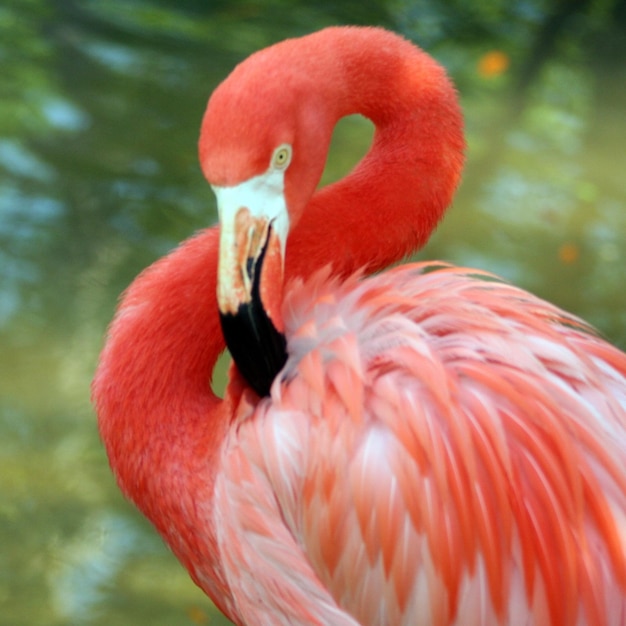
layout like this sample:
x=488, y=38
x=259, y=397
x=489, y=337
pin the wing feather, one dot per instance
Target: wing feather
x=440, y=449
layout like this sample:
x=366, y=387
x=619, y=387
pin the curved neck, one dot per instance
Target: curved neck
x=390, y=203
x=161, y=423
x=152, y=388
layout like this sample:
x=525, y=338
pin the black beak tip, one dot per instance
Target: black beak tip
x=258, y=349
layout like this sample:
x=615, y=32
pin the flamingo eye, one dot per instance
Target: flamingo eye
x=281, y=157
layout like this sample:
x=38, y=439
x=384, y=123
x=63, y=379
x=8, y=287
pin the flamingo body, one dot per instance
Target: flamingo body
x=437, y=503
x=440, y=448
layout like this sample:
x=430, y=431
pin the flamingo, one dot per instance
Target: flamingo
x=427, y=445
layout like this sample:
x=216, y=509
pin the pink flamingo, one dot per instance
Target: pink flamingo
x=428, y=446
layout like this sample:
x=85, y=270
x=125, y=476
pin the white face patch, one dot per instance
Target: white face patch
x=247, y=211
x=263, y=196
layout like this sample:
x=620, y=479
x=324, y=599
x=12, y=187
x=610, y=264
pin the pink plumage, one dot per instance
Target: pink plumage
x=443, y=449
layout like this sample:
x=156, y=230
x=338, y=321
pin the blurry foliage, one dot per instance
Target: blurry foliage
x=99, y=114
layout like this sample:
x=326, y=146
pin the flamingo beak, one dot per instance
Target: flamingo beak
x=250, y=280
x=250, y=266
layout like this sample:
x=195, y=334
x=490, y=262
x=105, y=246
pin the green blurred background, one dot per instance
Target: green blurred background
x=100, y=105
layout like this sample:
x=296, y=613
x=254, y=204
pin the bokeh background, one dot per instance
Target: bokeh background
x=100, y=104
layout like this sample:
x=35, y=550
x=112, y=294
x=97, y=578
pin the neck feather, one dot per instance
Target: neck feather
x=152, y=386
x=160, y=422
x=388, y=206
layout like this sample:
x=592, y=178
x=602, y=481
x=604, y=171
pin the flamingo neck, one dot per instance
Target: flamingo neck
x=159, y=420
x=388, y=206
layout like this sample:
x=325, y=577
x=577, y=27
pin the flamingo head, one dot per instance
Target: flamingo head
x=263, y=146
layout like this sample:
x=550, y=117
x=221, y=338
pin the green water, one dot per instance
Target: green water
x=100, y=105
